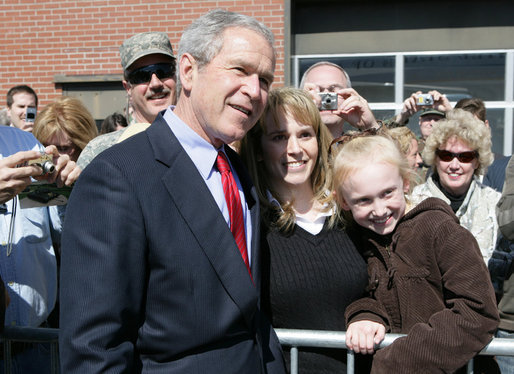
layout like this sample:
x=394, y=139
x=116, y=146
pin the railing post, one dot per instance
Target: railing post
x=7, y=357
x=54, y=358
x=350, y=362
x=470, y=367
x=294, y=360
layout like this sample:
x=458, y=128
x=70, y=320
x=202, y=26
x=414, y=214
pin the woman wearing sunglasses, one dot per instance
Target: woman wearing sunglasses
x=459, y=152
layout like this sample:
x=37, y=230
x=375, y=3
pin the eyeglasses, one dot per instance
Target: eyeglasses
x=464, y=157
x=144, y=74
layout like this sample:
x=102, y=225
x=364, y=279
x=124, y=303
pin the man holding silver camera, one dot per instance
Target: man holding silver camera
x=433, y=104
x=22, y=107
x=330, y=88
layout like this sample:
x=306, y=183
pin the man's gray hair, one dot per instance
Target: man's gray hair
x=327, y=63
x=203, y=39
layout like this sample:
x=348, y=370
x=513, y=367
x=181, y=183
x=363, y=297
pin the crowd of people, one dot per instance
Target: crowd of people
x=218, y=208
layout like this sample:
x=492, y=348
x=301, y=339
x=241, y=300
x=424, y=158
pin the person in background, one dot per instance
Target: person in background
x=4, y=117
x=149, y=78
x=327, y=77
x=426, y=276
x=501, y=267
x=67, y=124
x=19, y=99
x=311, y=270
x=113, y=122
x=459, y=151
x=176, y=287
x=430, y=113
x=408, y=144
x=495, y=175
x=27, y=257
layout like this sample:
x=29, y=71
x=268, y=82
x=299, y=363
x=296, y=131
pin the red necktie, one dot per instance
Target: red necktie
x=234, y=206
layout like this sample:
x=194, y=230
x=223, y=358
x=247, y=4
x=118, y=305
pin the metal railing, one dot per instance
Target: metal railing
x=336, y=339
x=290, y=338
x=30, y=335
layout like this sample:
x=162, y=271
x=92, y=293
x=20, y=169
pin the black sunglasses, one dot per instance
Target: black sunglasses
x=464, y=157
x=144, y=74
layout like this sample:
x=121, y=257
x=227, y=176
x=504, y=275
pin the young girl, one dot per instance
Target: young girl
x=426, y=275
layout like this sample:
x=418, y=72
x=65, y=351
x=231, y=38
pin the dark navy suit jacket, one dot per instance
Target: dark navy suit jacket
x=151, y=278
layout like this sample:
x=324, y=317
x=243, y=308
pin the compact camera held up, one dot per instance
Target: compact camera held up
x=30, y=114
x=425, y=100
x=44, y=162
x=328, y=100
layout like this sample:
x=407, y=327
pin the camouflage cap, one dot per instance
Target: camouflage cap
x=428, y=111
x=143, y=44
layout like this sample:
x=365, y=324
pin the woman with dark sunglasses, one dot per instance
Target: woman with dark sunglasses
x=459, y=152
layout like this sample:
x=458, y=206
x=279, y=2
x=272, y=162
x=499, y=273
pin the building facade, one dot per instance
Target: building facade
x=62, y=47
x=389, y=48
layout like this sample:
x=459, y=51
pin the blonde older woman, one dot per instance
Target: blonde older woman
x=459, y=151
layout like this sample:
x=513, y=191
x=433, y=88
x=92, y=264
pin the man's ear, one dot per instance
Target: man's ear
x=187, y=70
x=127, y=86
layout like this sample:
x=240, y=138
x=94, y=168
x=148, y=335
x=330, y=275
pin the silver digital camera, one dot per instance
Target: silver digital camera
x=30, y=114
x=425, y=100
x=44, y=162
x=328, y=100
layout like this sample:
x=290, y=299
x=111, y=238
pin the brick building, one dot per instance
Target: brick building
x=389, y=48
x=71, y=47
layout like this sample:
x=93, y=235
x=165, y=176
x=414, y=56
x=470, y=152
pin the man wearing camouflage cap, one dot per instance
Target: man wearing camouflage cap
x=149, y=79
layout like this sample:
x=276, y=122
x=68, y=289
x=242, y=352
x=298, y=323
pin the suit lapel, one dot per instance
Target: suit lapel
x=194, y=200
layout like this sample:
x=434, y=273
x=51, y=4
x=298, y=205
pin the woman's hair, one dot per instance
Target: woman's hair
x=68, y=115
x=111, y=123
x=362, y=149
x=298, y=104
x=404, y=136
x=465, y=127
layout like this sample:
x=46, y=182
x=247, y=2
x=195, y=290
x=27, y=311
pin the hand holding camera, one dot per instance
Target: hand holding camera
x=328, y=101
x=425, y=100
x=15, y=173
x=45, y=162
x=30, y=114
x=419, y=100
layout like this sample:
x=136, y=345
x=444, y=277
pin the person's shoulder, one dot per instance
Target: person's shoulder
x=13, y=140
x=487, y=191
x=105, y=140
x=434, y=210
x=420, y=192
x=15, y=132
x=98, y=145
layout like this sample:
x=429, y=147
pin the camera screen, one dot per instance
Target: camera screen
x=30, y=116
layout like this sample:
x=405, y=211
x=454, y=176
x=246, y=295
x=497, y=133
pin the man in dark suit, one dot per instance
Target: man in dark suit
x=152, y=278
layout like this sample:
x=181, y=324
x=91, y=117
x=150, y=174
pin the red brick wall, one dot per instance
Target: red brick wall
x=40, y=38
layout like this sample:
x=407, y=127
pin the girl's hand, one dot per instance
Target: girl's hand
x=363, y=336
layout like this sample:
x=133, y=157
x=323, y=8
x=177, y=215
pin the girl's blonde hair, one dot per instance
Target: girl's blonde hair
x=299, y=104
x=356, y=152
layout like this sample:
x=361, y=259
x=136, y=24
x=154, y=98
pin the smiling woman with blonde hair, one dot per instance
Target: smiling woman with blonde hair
x=459, y=151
